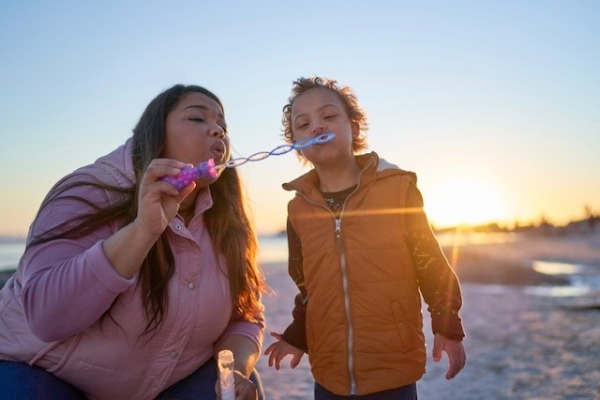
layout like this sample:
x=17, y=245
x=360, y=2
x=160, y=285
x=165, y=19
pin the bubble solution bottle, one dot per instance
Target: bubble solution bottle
x=225, y=362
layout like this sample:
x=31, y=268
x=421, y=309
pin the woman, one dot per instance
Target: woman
x=128, y=288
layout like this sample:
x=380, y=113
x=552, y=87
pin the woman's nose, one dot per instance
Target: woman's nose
x=218, y=132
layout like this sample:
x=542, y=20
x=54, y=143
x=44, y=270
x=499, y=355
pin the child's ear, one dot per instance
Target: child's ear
x=355, y=130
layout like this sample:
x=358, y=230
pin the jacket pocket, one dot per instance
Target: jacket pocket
x=53, y=358
x=403, y=327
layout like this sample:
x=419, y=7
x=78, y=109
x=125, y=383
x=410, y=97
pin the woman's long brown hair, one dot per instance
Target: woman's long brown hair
x=229, y=226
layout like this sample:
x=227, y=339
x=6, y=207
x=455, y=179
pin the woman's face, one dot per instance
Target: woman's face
x=196, y=131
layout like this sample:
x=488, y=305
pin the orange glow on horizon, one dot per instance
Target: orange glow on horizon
x=464, y=201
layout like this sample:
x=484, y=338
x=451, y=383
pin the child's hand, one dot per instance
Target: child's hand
x=278, y=350
x=455, y=351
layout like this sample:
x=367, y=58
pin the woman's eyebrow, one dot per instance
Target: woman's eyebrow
x=204, y=108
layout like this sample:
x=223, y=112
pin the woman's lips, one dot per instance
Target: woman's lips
x=217, y=151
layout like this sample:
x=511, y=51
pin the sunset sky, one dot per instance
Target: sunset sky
x=494, y=104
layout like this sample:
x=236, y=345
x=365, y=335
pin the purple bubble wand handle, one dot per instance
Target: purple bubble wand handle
x=187, y=175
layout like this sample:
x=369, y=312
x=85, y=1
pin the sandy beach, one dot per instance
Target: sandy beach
x=522, y=342
x=529, y=336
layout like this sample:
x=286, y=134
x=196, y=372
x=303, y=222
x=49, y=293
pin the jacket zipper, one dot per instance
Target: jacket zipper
x=342, y=251
x=340, y=247
x=338, y=238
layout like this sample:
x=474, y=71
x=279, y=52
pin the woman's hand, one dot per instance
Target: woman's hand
x=244, y=387
x=159, y=201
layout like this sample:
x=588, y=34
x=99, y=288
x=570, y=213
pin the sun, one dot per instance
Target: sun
x=463, y=200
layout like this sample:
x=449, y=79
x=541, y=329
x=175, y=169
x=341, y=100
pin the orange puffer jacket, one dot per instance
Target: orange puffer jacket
x=364, y=322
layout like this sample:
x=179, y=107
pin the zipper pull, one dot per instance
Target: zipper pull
x=338, y=234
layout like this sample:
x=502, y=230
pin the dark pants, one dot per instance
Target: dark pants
x=20, y=381
x=408, y=392
x=201, y=385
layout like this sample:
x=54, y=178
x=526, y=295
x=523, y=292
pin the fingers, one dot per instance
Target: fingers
x=160, y=167
x=295, y=360
x=459, y=364
x=246, y=391
x=276, y=354
x=277, y=357
x=437, y=348
x=244, y=388
x=453, y=369
x=457, y=360
x=185, y=191
x=455, y=351
x=268, y=350
x=279, y=350
x=273, y=352
x=153, y=183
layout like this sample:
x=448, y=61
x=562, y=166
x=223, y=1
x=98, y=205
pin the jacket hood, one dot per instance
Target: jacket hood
x=118, y=164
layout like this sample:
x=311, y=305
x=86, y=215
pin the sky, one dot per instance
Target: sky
x=494, y=104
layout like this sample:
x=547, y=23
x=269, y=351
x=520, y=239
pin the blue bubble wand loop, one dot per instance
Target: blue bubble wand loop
x=208, y=169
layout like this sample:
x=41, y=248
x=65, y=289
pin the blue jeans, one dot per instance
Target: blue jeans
x=20, y=381
x=408, y=392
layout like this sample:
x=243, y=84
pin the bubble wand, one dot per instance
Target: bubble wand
x=208, y=169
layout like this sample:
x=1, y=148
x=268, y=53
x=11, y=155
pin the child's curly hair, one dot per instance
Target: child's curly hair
x=357, y=115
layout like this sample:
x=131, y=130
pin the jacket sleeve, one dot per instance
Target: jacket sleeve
x=65, y=277
x=437, y=281
x=254, y=331
x=295, y=333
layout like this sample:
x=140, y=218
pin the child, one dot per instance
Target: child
x=361, y=252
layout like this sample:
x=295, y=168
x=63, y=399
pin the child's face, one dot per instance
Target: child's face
x=318, y=111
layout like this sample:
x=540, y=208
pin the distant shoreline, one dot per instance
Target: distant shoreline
x=5, y=274
x=507, y=259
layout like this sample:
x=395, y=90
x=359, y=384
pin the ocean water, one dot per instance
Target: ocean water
x=11, y=250
x=273, y=249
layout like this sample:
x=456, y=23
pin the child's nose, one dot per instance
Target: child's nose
x=318, y=129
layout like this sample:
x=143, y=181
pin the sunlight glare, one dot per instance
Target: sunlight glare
x=460, y=201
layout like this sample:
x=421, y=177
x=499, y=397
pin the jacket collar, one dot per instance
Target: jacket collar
x=371, y=165
x=309, y=182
